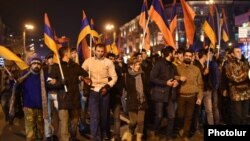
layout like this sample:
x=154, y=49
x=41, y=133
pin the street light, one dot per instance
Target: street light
x=27, y=27
x=109, y=27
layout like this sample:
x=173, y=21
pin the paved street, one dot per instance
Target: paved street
x=16, y=131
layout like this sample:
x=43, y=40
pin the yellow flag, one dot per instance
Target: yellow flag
x=7, y=54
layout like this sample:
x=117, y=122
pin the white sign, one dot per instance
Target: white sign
x=1, y=61
x=160, y=38
x=244, y=32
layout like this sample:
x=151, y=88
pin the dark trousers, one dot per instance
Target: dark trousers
x=240, y=112
x=99, y=114
x=117, y=121
x=169, y=108
x=185, y=111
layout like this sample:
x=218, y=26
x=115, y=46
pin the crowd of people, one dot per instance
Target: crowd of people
x=184, y=87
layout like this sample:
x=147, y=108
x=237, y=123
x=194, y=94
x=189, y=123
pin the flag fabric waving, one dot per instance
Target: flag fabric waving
x=189, y=16
x=85, y=29
x=94, y=33
x=173, y=23
x=225, y=33
x=82, y=45
x=9, y=55
x=208, y=26
x=48, y=35
x=143, y=24
x=157, y=14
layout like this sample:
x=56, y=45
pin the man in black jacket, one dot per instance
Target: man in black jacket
x=69, y=98
x=163, y=91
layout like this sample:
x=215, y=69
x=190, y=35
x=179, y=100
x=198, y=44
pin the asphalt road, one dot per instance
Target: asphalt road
x=16, y=132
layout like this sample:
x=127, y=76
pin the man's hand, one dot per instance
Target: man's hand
x=52, y=81
x=175, y=83
x=104, y=90
x=86, y=80
x=224, y=93
x=170, y=82
x=206, y=71
x=183, y=78
x=198, y=101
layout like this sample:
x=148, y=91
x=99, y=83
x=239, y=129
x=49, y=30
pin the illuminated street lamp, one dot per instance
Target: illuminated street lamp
x=27, y=27
x=109, y=27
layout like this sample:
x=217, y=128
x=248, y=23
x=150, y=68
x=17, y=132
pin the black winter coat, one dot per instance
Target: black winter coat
x=71, y=71
x=132, y=102
x=162, y=72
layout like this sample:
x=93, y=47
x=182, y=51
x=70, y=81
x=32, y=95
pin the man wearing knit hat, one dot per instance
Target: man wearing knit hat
x=33, y=88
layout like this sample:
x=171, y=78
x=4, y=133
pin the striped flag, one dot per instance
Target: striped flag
x=48, y=35
x=189, y=16
x=157, y=14
x=94, y=33
x=173, y=23
x=225, y=33
x=143, y=24
x=209, y=26
x=82, y=46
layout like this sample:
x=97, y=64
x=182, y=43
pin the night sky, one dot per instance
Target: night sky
x=65, y=15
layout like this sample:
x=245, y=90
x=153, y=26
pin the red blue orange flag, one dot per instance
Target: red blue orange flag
x=82, y=46
x=48, y=35
x=173, y=23
x=85, y=29
x=94, y=33
x=225, y=33
x=143, y=24
x=189, y=16
x=208, y=26
x=157, y=14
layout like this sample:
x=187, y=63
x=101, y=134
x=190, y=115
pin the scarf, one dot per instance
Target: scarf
x=44, y=96
x=138, y=84
x=43, y=92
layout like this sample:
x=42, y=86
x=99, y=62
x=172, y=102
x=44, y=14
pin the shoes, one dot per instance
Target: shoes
x=185, y=139
x=181, y=132
x=127, y=136
x=138, y=136
x=117, y=138
x=52, y=138
x=106, y=136
x=74, y=139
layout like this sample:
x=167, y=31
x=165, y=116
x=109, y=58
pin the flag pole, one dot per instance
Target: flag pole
x=219, y=29
x=60, y=67
x=90, y=50
x=9, y=73
x=144, y=33
x=208, y=54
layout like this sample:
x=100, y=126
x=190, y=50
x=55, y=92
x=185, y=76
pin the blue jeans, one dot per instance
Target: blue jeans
x=52, y=98
x=99, y=114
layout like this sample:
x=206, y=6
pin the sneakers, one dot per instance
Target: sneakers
x=127, y=136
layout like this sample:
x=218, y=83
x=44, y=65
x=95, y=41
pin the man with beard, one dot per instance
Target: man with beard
x=190, y=93
x=163, y=91
x=32, y=86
